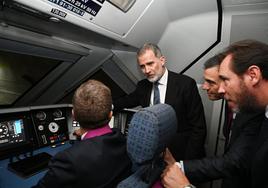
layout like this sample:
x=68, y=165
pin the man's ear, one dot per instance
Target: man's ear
x=163, y=60
x=254, y=74
x=110, y=114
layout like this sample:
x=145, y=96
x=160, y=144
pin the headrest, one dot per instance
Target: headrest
x=150, y=131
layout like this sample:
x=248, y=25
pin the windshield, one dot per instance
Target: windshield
x=20, y=72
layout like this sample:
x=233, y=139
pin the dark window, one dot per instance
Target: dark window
x=19, y=72
x=100, y=75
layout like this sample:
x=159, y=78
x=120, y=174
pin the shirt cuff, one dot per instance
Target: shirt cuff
x=180, y=165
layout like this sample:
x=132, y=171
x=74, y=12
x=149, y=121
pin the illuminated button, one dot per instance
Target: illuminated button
x=53, y=127
x=40, y=127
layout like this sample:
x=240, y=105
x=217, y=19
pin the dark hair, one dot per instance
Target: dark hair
x=92, y=103
x=246, y=53
x=149, y=46
x=212, y=62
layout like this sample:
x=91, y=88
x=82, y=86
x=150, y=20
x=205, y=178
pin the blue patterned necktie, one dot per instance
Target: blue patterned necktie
x=156, y=93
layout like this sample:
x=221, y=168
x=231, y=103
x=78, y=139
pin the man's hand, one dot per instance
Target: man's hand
x=173, y=177
x=169, y=157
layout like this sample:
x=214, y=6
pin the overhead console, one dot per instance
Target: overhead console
x=26, y=129
x=113, y=18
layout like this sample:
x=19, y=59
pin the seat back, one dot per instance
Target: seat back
x=150, y=131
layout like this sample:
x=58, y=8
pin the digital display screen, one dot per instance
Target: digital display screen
x=12, y=131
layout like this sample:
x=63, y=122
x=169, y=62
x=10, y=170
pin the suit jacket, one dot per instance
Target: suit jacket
x=97, y=162
x=182, y=94
x=228, y=121
x=234, y=165
x=259, y=170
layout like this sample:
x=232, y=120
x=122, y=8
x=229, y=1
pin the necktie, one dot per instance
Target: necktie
x=156, y=93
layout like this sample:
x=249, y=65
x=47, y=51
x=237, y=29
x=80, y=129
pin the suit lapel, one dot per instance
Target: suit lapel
x=263, y=133
x=233, y=131
x=147, y=91
x=171, y=85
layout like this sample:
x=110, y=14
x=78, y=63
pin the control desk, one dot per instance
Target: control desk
x=9, y=179
x=30, y=136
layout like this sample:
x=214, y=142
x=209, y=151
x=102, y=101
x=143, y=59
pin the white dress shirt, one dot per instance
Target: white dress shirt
x=162, y=88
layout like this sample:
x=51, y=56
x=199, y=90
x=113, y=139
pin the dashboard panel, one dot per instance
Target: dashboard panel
x=50, y=125
x=26, y=129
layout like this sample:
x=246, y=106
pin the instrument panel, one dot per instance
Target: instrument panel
x=25, y=129
x=51, y=125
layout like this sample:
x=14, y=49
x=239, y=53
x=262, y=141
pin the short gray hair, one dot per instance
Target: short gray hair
x=149, y=46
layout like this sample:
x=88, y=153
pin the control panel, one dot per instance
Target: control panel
x=50, y=125
x=25, y=129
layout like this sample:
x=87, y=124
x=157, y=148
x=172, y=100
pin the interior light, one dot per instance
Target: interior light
x=124, y=5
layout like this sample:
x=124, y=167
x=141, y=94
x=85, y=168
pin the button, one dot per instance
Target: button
x=40, y=127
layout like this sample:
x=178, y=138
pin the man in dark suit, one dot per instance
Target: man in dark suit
x=244, y=71
x=233, y=166
x=180, y=92
x=211, y=85
x=100, y=158
x=244, y=74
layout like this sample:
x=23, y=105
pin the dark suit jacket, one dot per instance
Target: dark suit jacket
x=259, y=171
x=234, y=165
x=97, y=162
x=183, y=96
x=228, y=121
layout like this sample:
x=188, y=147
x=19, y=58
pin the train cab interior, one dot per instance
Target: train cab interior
x=49, y=47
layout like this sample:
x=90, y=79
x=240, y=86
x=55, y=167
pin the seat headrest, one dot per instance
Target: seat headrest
x=150, y=131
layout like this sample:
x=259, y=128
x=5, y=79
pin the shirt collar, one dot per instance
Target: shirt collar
x=96, y=132
x=163, y=79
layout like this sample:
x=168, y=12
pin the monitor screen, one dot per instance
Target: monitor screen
x=15, y=135
x=11, y=131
